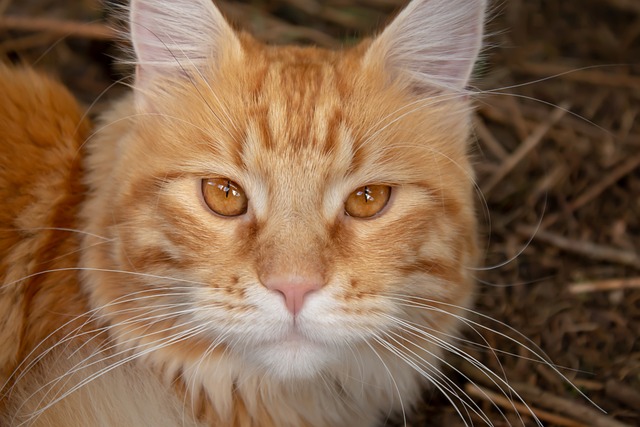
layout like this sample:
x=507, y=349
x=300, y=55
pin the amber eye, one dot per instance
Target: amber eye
x=367, y=201
x=224, y=196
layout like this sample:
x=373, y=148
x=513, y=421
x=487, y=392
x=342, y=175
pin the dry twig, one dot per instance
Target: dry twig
x=590, y=416
x=605, y=285
x=60, y=28
x=589, y=249
x=618, y=172
x=527, y=145
x=524, y=410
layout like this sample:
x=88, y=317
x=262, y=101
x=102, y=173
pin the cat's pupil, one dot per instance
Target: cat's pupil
x=367, y=201
x=224, y=197
x=367, y=195
x=226, y=189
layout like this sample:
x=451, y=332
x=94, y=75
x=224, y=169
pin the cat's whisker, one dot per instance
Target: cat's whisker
x=65, y=229
x=393, y=380
x=103, y=270
x=93, y=334
x=498, y=381
x=485, y=346
x=84, y=365
x=511, y=285
x=191, y=382
x=531, y=347
x=73, y=335
x=163, y=343
x=446, y=383
x=137, y=320
x=67, y=254
x=436, y=383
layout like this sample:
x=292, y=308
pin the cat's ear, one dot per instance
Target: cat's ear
x=173, y=37
x=434, y=42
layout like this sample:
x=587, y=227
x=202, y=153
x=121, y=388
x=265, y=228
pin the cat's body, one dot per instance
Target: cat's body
x=290, y=312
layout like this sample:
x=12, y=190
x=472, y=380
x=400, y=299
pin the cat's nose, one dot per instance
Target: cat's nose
x=294, y=289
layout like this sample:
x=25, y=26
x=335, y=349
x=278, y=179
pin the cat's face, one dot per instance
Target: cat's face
x=290, y=206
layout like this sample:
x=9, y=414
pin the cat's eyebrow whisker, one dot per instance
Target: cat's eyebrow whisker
x=90, y=107
x=544, y=79
x=522, y=249
x=557, y=106
x=421, y=103
x=469, y=175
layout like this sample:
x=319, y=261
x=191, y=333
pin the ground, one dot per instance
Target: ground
x=557, y=153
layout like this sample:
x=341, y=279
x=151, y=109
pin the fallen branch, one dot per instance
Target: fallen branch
x=591, y=250
x=590, y=416
x=487, y=137
x=623, y=393
x=624, y=5
x=614, y=176
x=525, y=148
x=524, y=410
x=57, y=27
x=605, y=285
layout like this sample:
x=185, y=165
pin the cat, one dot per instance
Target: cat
x=254, y=236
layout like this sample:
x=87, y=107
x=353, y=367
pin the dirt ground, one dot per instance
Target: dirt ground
x=557, y=150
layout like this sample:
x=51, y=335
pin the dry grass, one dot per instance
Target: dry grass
x=558, y=161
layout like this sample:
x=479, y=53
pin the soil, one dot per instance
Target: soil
x=557, y=153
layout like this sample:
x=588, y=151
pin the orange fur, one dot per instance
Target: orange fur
x=179, y=290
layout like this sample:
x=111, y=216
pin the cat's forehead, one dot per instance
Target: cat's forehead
x=300, y=92
x=295, y=109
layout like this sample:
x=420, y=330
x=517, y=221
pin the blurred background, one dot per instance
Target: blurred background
x=557, y=154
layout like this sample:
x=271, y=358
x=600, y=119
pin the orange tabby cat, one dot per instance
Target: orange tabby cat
x=256, y=236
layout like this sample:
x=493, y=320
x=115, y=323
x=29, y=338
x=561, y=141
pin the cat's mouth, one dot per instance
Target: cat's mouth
x=290, y=355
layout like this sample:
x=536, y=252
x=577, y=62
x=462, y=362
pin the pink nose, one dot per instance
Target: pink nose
x=294, y=289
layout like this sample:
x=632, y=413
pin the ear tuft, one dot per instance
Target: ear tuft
x=434, y=42
x=170, y=37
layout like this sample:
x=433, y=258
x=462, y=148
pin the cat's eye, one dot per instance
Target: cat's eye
x=224, y=196
x=367, y=201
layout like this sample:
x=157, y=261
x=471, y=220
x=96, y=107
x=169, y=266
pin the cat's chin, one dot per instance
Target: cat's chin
x=293, y=358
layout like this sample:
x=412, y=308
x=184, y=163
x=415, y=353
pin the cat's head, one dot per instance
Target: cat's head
x=289, y=206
